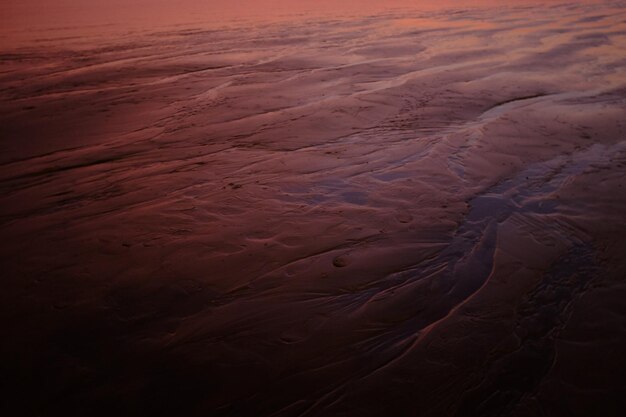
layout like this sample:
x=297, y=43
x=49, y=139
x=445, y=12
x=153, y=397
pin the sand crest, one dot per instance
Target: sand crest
x=410, y=213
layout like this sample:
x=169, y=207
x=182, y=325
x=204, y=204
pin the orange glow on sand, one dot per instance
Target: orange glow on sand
x=312, y=208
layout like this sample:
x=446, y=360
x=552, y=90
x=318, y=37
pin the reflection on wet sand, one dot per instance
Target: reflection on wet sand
x=416, y=213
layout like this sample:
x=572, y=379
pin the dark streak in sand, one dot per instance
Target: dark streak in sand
x=411, y=213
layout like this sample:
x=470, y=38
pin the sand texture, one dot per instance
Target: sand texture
x=405, y=214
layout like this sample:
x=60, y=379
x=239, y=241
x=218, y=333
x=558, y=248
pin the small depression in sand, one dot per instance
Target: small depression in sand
x=403, y=211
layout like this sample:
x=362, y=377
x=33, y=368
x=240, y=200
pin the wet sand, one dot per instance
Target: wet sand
x=416, y=213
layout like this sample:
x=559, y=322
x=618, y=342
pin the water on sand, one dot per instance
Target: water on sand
x=400, y=212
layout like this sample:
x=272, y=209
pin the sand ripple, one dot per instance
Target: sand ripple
x=409, y=214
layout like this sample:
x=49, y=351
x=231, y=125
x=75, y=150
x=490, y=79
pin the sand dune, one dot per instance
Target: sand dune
x=408, y=214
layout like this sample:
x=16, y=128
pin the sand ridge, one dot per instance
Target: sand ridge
x=412, y=214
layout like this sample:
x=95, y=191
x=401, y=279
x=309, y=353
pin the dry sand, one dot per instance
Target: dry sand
x=407, y=214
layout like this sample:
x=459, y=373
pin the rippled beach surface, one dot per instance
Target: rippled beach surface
x=396, y=212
